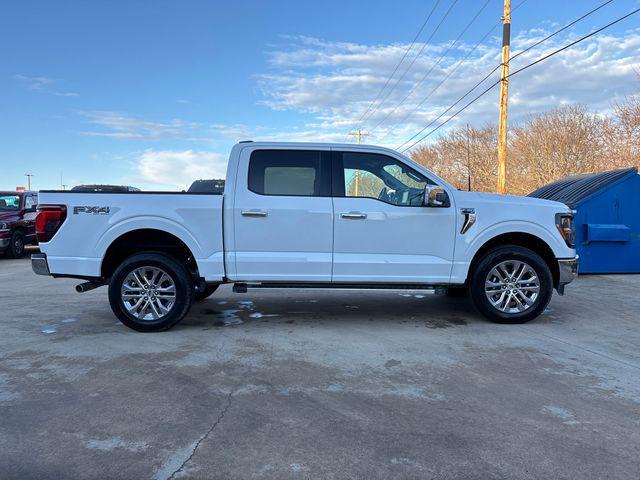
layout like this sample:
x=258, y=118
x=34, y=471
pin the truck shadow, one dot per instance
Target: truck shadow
x=329, y=308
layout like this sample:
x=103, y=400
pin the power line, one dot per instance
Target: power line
x=487, y=90
x=454, y=104
x=413, y=89
x=400, y=62
x=424, y=45
x=518, y=6
x=453, y=70
x=568, y=25
x=404, y=56
x=541, y=59
x=447, y=77
x=569, y=45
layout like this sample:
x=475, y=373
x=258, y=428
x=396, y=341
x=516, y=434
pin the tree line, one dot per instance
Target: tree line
x=565, y=141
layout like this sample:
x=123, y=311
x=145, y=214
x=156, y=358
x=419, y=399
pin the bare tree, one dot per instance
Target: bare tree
x=545, y=147
x=447, y=157
x=565, y=141
x=627, y=146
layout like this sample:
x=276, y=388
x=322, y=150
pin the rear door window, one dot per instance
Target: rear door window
x=290, y=173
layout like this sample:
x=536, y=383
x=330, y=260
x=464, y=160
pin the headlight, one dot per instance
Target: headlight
x=564, y=223
x=4, y=226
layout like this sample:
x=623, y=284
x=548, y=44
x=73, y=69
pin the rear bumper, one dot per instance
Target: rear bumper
x=39, y=264
x=568, y=271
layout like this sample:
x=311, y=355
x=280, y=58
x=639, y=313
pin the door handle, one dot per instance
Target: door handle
x=354, y=215
x=254, y=213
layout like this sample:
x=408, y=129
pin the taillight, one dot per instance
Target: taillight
x=49, y=220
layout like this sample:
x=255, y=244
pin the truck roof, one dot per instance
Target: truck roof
x=350, y=146
x=363, y=146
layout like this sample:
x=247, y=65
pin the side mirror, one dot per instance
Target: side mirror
x=435, y=196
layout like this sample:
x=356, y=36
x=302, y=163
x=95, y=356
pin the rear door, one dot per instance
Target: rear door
x=382, y=231
x=283, y=215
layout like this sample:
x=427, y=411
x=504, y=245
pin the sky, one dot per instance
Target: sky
x=155, y=93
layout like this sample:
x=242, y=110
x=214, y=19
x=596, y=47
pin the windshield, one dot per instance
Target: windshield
x=9, y=202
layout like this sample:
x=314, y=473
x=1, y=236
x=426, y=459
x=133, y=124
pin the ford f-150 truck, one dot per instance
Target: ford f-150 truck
x=308, y=215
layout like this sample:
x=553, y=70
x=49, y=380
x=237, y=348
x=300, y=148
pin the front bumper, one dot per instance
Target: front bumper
x=4, y=243
x=568, y=271
x=39, y=264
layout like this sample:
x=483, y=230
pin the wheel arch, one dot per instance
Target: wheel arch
x=520, y=239
x=146, y=239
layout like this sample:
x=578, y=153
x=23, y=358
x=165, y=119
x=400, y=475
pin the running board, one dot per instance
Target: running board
x=242, y=287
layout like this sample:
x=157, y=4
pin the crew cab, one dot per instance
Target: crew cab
x=297, y=215
x=17, y=222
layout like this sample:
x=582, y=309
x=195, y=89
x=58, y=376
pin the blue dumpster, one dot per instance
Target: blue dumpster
x=607, y=218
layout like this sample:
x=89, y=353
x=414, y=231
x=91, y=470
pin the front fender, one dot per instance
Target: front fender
x=470, y=243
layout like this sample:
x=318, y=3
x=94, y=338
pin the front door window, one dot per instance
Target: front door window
x=381, y=177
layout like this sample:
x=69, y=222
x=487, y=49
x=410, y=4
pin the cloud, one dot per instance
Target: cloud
x=124, y=126
x=177, y=169
x=43, y=85
x=334, y=82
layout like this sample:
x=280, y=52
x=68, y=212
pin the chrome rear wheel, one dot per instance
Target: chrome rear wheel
x=151, y=291
x=148, y=293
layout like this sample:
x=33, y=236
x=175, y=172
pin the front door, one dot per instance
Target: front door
x=382, y=231
x=283, y=216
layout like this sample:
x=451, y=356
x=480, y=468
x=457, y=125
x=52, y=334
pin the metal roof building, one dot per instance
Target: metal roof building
x=607, y=218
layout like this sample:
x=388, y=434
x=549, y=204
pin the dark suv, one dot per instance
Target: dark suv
x=17, y=222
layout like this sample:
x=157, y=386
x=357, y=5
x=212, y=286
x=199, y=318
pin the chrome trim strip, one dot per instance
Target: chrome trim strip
x=354, y=215
x=469, y=219
x=254, y=213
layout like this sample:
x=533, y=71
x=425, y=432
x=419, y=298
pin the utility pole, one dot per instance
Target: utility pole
x=468, y=158
x=29, y=175
x=504, y=96
x=359, y=134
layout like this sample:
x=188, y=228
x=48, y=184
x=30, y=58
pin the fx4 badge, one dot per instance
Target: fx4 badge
x=91, y=210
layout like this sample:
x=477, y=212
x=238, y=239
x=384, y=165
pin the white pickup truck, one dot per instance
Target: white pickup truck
x=303, y=215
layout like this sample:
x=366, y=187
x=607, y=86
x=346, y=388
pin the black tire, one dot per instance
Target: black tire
x=207, y=292
x=179, y=275
x=457, y=292
x=16, y=247
x=494, y=257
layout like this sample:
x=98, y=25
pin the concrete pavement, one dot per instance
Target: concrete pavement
x=318, y=384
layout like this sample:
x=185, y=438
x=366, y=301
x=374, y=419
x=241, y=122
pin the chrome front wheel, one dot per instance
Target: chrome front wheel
x=512, y=286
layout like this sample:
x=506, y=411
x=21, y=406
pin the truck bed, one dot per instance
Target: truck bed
x=94, y=220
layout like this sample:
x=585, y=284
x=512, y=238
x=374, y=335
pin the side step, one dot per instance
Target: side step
x=242, y=287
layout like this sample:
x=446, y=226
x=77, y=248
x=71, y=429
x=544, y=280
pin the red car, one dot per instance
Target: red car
x=17, y=222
